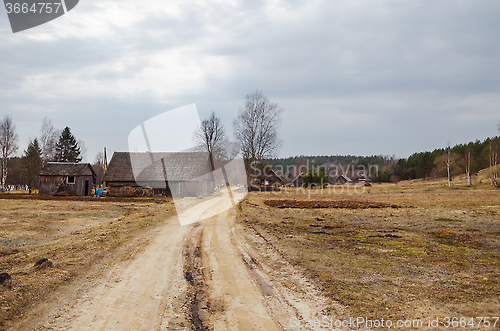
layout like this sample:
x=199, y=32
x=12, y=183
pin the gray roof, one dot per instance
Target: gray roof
x=340, y=178
x=154, y=166
x=67, y=169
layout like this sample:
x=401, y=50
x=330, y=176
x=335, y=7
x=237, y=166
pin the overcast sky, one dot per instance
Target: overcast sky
x=353, y=77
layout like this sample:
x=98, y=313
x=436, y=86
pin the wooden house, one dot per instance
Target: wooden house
x=298, y=181
x=66, y=178
x=268, y=181
x=271, y=178
x=166, y=174
x=340, y=180
x=362, y=179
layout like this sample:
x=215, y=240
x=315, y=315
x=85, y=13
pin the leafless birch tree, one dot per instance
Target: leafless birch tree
x=256, y=127
x=495, y=181
x=8, y=146
x=493, y=156
x=98, y=167
x=448, y=163
x=211, y=138
x=83, y=149
x=48, y=140
x=467, y=164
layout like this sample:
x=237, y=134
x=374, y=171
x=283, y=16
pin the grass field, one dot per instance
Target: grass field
x=434, y=253
x=80, y=236
x=412, y=250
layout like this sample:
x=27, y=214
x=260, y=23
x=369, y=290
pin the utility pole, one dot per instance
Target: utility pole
x=105, y=166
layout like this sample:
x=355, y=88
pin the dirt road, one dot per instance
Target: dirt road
x=202, y=276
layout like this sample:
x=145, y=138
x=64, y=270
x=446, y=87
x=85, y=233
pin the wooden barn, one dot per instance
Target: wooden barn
x=65, y=178
x=165, y=174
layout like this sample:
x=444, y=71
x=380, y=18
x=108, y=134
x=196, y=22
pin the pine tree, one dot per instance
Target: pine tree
x=67, y=149
x=31, y=164
x=315, y=178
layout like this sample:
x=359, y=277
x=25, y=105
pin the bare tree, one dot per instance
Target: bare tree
x=48, y=140
x=495, y=181
x=211, y=138
x=256, y=127
x=467, y=164
x=493, y=156
x=98, y=167
x=83, y=149
x=8, y=146
x=448, y=163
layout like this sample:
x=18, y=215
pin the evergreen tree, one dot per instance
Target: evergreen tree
x=67, y=149
x=31, y=164
x=318, y=178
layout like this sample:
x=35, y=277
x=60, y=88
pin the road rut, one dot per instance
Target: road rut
x=195, y=277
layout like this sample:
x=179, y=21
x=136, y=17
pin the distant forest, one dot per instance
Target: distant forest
x=432, y=164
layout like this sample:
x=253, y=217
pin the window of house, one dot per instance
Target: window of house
x=71, y=180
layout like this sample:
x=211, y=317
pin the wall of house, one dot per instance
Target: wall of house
x=129, y=191
x=50, y=185
x=176, y=189
x=79, y=187
x=191, y=189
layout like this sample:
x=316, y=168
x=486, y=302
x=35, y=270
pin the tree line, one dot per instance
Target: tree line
x=448, y=162
x=334, y=164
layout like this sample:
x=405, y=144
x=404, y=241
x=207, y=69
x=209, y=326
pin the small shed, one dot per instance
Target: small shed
x=66, y=178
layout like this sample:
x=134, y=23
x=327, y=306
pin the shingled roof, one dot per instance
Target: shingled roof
x=67, y=169
x=149, y=166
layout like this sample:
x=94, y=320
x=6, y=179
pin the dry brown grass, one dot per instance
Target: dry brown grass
x=82, y=238
x=437, y=255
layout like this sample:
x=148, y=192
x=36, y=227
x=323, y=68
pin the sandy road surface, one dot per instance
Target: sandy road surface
x=194, y=277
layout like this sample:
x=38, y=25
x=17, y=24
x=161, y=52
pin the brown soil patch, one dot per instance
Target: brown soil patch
x=313, y=204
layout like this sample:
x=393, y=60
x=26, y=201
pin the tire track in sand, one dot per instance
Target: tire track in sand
x=237, y=302
x=188, y=278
